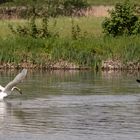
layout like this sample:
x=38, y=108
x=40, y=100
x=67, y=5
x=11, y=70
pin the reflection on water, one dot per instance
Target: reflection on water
x=72, y=105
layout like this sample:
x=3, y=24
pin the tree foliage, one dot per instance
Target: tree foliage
x=52, y=7
x=4, y=1
x=122, y=21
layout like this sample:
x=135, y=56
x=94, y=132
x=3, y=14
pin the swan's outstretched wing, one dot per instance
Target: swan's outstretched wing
x=1, y=88
x=16, y=80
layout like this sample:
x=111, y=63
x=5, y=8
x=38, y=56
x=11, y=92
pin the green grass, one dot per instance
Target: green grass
x=85, y=52
x=90, y=50
x=5, y=30
x=91, y=25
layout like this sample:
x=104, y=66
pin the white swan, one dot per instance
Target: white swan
x=5, y=91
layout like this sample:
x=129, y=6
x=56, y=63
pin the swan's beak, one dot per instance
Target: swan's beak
x=18, y=89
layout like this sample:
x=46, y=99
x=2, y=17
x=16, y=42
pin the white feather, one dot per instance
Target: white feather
x=5, y=91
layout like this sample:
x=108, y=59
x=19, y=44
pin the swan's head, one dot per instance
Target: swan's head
x=16, y=88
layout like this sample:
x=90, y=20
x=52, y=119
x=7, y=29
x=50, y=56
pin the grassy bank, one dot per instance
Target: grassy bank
x=62, y=25
x=90, y=50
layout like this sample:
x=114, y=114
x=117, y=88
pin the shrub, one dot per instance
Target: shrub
x=32, y=29
x=122, y=21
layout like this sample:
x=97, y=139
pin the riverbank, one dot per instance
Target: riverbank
x=64, y=65
x=76, y=47
x=97, y=53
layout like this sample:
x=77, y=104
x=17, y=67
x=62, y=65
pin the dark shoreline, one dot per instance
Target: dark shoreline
x=64, y=65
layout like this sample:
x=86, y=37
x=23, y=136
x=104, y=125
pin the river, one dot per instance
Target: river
x=72, y=105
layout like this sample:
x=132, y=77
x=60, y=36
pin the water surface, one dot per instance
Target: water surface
x=72, y=105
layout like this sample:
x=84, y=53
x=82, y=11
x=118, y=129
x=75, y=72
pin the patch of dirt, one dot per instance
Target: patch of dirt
x=18, y=12
x=98, y=11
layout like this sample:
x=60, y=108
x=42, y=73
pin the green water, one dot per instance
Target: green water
x=72, y=105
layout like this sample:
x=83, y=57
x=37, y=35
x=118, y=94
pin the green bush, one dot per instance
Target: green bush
x=122, y=21
x=33, y=30
x=52, y=8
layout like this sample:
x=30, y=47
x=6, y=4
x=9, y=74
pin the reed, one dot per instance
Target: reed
x=86, y=51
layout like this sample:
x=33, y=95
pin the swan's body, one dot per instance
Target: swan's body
x=5, y=91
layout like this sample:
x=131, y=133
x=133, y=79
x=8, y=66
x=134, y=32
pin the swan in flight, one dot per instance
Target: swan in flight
x=5, y=91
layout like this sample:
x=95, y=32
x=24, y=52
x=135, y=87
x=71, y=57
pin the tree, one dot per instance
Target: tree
x=4, y=1
x=122, y=21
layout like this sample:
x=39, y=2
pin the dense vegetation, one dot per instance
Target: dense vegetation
x=88, y=49
x=63, y=42
x=123, y=20
x=85, y=52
